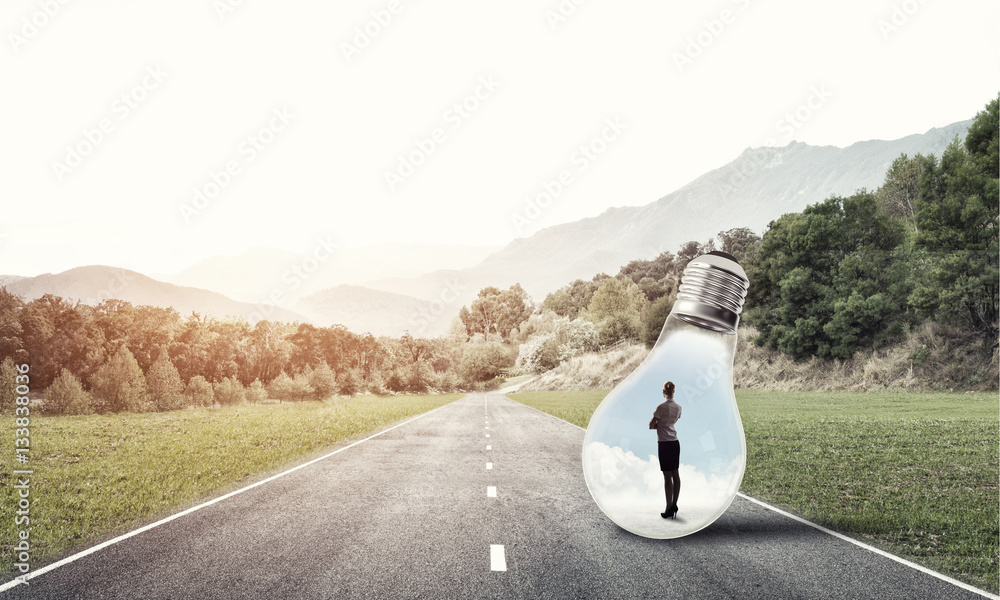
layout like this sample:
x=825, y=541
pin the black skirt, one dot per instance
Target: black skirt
x=670, y=455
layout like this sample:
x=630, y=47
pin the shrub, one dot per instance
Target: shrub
x=577, y=337
x=291, y=389
x=349, y=382
x=256, y=392
x=66, y=396
x=8, y=384
x=166, y=390
x=323, y=381
x=119, y=385
x=199, y=392
x=418, y=377
x=230, y=391
x=483, y=362
x=538, y=354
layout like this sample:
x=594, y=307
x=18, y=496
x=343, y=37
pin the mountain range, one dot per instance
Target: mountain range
x=94, y=284
x=759, y=186
x=387, y=289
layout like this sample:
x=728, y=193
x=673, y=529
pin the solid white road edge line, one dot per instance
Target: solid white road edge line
x=841, y=536
x=125, y=536
x=903, y=561
x=498, y=562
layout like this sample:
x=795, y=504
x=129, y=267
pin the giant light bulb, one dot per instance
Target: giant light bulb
x=695, y=351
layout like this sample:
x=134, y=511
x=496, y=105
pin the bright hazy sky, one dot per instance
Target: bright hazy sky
x=115, y=112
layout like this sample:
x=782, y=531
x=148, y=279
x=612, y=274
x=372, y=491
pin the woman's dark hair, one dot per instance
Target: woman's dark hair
x=668, y=388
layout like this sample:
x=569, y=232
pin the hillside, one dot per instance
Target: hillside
x=933, y=357
x=379, y=313
x=93, y=284
x=254, y=274
x=756, y=188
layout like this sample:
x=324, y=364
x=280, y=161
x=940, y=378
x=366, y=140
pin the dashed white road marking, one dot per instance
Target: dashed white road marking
x=489, y=447
x=489, y=466
x=491, y=491
x=498, y=561
x=487, y=435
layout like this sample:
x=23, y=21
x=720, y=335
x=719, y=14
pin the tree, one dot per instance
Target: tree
x=497, y=312
x=571, y=300
x=58, y=334
x=11, y=344
x=740, y=242
x=418, y=377
x=830, y=280
x=323, y=381
x=957, y=217
x=616, y=309
x=230, y=391
x=654, y=318
x=662, y=266
x=119, y=385
x=66, y=396
x=256, y=392
x=189, y=350
x=457, y=333
x=539, y=354
x=269, y=351
x=349, y=382
x=576, y=337
x=199, y=392
x=483, y=362
x=898, y=194
x=8, y=385
x=692, y=250
x=292, y=389
x=166, y=390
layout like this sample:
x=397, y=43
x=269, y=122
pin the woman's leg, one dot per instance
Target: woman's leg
x=668, y=488
x=675, y=484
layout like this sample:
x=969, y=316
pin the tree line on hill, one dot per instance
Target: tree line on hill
x=118, y=357
x=843, y=275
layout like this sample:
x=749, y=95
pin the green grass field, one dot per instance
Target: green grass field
x=100, y=475
x=915, y=474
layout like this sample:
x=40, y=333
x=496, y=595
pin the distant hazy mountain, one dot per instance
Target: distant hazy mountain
x=9, y=279
x=759, y=186
x=362, y=310
x=93, y=284
x=254, y=275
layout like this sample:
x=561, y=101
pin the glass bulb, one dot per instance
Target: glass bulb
x=695, y=351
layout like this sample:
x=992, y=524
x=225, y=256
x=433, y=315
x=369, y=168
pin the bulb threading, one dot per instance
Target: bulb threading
x=711, y=293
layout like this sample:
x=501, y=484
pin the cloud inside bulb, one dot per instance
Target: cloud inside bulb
x=630, y=490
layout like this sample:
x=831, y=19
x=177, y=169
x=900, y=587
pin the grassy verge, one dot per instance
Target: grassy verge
x=97, y=476
x=912, y=473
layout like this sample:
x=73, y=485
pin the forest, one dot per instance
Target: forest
x=844, y=275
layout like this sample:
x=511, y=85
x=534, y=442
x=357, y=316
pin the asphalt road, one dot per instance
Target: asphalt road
x=408, y=514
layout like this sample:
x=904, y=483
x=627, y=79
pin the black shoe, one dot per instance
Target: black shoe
x=672, y=512
x=665, y=515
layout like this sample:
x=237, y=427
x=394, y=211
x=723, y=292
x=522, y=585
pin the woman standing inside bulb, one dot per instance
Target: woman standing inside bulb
x=669, y=448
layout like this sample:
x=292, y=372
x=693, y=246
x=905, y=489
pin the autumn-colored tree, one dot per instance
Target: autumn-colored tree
x=119, y=385
x=66, y=396
x=166, y=390
x=199, y=392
